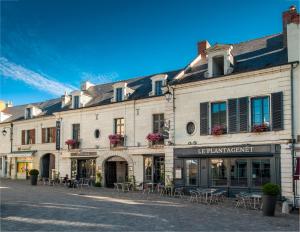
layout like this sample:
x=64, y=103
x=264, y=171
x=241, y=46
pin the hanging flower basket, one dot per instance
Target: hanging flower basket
x=155, y=138
x=260, y=128
x=218, y=130
x=116, y=140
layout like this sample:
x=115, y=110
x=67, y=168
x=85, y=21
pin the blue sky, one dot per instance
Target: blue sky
x=48, y=46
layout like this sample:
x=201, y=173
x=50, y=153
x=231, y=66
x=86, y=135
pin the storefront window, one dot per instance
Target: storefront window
x=260, y=172
x=23, y=167
x=191, y=167
x=148, y=169
x=238, y=172
x=218, y=172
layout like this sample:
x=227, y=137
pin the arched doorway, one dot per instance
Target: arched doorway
x=116, y=170
x=47, y=164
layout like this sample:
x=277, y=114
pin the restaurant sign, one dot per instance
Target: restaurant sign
x=57, y=135
x=227, y=150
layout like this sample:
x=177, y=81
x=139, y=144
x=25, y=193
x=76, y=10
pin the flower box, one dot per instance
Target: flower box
x=155, y=139
x=260, y=128
x=218, y=130
x=72, y=144
x=116, y=140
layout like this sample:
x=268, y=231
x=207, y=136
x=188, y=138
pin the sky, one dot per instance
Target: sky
x=51, y=46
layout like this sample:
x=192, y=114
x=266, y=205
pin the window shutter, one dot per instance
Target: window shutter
x=53, y=134
x=232, y=115
x=23, y=137
x=43, y=135
x=277, y=111
x=204, y=120
x=243, y=114
x=32, y=135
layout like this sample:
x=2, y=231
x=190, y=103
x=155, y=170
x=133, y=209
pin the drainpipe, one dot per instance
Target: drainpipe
x=293, y=66
x=11, y=137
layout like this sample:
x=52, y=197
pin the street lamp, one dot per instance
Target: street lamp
x=4, y=132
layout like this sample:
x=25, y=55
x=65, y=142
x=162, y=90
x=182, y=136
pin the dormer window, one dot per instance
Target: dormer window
x=220, y=60
x=158, y=82
x=28, y=113
x=158, y=88
x=218, y=65
x=76, y=103
x=119, y=94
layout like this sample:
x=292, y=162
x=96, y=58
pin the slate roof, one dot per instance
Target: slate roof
x=250, y=55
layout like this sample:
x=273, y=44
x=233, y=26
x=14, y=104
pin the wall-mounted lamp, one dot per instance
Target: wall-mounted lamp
x=4, y=132
x=168, y=94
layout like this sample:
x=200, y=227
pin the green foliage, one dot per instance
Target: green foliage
x=271, y=189
x=98, y=177
x=34, y=172
x=98, y=184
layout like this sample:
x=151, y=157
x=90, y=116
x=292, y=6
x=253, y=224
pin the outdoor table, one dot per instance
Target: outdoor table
x=256, y=197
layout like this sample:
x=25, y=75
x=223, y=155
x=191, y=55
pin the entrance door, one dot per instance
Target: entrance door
x=110, y=174
x=45, y=166
x=86, y=168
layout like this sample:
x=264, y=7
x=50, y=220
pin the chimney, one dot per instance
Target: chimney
x=65, y=100
x=9, y=104
x=202, y=46
x=289, y=16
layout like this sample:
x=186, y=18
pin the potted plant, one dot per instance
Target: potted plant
x=116, y=140
x=270, y=193
x=260, y=128
x=154, y=138
x=98, y=179
x=218, y=130
x=73, y=143
x=33, y=176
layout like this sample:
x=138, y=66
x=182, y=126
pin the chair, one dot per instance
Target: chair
x=179, y=192
x=242, y=199
x=116, y=186
x=193, y=196
x=84, y=182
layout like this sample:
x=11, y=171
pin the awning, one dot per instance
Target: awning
x=297, y=171
x=20, y=154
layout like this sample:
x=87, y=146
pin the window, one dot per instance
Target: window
x=28, y=137
x=97, y=133
x=76, y=102
x=158, y=88
x=190, y=128
x=218, y=172
x=218, y=115
x=158, y=123
x=191, y=167
x=159, y=169
x=119, y=94
x=48, y=135
x=148, y=169
x=119, y=126
x=261, y=173
x=260, y=111
x=28, y=113
x=76, y=132
x=238, y=172
x=218, y=65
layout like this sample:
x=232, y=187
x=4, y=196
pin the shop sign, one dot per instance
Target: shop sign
x=84, y=154
x=227, y=150
x=57, y=135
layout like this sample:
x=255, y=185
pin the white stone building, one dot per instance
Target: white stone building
x=232, y=119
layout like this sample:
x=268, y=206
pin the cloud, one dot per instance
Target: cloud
x=99, y=78
x=34, y=79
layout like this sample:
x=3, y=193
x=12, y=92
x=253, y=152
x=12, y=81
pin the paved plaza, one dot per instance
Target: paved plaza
x=48, y=208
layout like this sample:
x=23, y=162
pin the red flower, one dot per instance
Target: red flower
x=218, y=130
x=70, y=142
x=115, y=138
x=260, y=128
x=154, y=137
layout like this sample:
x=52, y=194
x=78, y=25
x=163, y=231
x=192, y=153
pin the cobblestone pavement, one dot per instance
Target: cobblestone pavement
x=48, y=208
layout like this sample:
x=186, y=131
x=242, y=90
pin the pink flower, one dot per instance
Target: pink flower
x=154, y=137
x=218, y=130
x=70, y=142
x=115, y=138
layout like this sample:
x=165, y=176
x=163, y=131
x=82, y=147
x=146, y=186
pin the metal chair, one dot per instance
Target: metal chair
x=179, y=192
